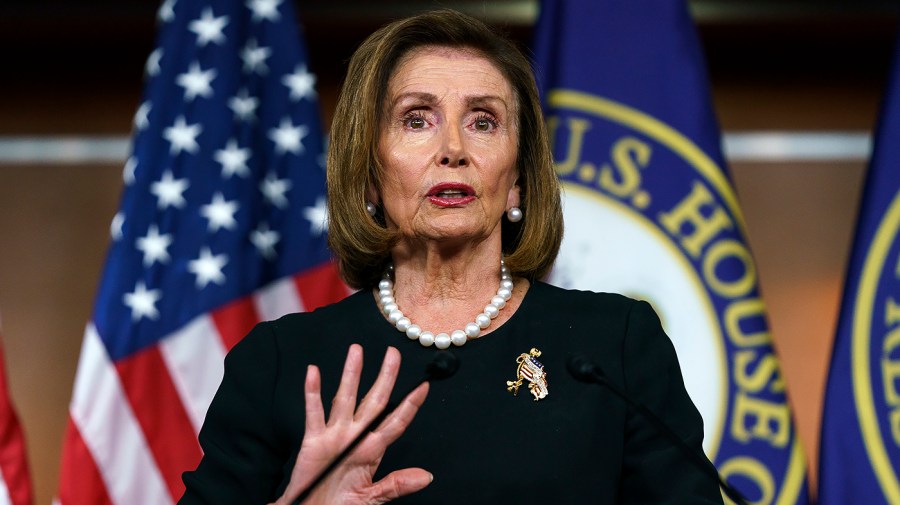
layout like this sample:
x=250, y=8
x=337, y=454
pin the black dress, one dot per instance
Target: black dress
x=580, y=444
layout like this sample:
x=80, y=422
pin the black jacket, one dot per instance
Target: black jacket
x=580, y=444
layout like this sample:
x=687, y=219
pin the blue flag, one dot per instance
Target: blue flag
x=650, y=212
x=860, y=442
x=221, y=225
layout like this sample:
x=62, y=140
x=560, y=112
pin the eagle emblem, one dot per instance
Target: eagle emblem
x=532, y=370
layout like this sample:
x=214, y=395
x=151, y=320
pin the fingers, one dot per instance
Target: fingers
x=380, y=393
x=410, y=480
x=344, y=403
x=400, y=483
x=396, y=423
x=324, y=439
x=312, y=393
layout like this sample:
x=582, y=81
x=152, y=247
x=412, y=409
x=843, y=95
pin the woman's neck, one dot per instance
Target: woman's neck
x=442, y=290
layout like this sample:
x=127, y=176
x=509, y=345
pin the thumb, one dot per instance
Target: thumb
x=400, y=483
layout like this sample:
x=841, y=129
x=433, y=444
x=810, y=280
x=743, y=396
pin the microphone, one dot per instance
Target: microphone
x=442, y=366
x=585, y=370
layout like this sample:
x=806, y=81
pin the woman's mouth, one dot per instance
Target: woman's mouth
x=451, y=194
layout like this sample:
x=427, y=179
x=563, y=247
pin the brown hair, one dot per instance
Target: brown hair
x=362, y=244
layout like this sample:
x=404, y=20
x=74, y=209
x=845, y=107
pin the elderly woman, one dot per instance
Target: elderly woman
x=445, y=212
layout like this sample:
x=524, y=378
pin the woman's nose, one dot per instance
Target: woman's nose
x=452, y=153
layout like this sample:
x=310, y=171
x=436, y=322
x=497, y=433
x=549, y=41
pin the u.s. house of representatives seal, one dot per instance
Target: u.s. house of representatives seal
x=650, y=215
x=875, y=351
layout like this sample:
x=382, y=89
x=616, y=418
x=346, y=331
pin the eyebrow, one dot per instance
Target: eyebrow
x=428, y=98
x=486, y=101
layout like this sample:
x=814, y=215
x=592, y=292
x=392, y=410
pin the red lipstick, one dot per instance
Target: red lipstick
x=451, y=194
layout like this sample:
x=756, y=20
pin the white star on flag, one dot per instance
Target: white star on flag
x=265, y=240
x=141, y=116
x=182, y=136
x=128, y=170
x=209, y=28
x=254, y=57
x=220, y=213
x=154, y=246
x=142, y=302
x=243, y=105
x=287, y=137
x=274, y=189
x=196, y=82
x=301, y=83
x=233, y=159
x=169, y=190
x=317, y=216
x=151, y=68
x=166, y=11
x=115, y=227
x=264, y=9
x=208, y=268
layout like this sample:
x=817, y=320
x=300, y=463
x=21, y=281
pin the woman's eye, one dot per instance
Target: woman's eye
x=484, y=124
x=416, y=123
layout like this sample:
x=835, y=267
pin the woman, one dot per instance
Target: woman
x=444, y=210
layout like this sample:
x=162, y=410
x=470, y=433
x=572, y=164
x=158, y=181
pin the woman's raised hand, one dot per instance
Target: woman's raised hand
x=351, y=481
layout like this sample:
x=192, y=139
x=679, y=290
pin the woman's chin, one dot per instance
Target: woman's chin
x=456, y=234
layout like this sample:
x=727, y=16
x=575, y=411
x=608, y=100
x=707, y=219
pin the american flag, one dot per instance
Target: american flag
x=15, y=480
x=221, y=225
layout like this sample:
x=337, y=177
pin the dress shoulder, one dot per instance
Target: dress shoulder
x=334, y=317
x=577, y=303
x=326, y=313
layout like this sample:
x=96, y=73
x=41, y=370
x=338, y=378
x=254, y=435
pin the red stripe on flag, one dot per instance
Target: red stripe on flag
x=163, y=418
x=13, y=457
x=320, y=286
x=79, y=479
x=234, y=320
x=13, y=460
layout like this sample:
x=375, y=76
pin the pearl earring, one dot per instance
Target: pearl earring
x=514, y=214
x=370, y=208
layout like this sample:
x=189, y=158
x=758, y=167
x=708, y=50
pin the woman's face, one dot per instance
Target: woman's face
x=448, y=144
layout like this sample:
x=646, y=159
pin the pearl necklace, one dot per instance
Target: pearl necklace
x=443, y=340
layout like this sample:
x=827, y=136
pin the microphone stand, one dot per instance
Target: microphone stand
x=585, y=370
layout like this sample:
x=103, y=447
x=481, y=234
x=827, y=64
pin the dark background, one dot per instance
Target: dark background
x=63, y=51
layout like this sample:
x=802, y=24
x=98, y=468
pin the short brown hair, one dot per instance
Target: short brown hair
x=362, y=244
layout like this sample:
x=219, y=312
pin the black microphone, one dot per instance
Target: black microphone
x=585, y=370
x=442, y=366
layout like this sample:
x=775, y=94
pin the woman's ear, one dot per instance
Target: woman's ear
x=512, y=200
x=372, y=194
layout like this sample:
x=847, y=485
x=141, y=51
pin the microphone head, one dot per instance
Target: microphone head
x=443, y=365
x=582, y=368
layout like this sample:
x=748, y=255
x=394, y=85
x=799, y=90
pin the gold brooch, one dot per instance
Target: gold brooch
x=531, y=369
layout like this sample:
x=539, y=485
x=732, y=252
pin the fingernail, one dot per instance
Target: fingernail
x=431, y=476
